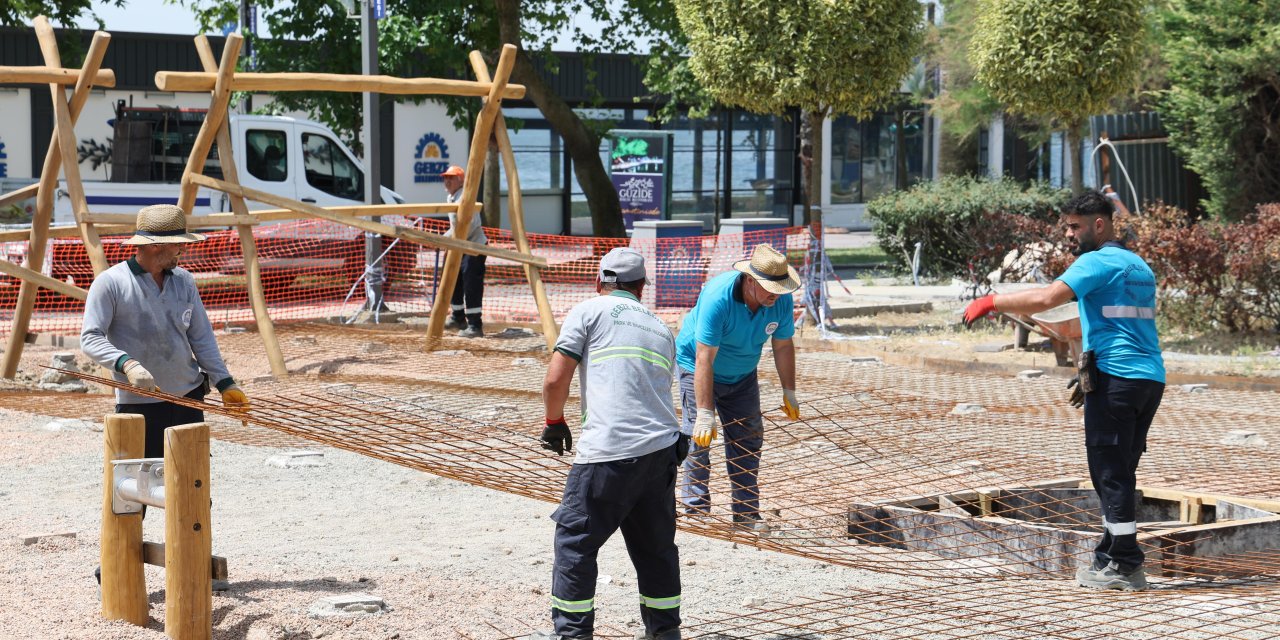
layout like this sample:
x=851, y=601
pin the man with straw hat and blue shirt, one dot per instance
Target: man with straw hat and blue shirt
x=145, y=322
x=624, y=475
x=717, y=352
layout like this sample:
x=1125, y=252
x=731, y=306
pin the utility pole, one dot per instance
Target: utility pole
x=375, y=269
x=248, y=25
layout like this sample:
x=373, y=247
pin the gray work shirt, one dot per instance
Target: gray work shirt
x=475, y=233
x=627, y=364
x=167, y=331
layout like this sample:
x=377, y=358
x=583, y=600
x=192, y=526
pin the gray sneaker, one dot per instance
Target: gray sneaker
x=471, y=332
x=1109, y=577
x=550, y=635
x=754, y=525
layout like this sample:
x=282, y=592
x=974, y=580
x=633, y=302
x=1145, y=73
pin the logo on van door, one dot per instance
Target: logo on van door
x=430, y=158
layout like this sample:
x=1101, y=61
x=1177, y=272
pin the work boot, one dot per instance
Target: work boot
x=550, y=635
x=752, y=523
x=454, y=323
x=1110, y=577
x=670, y=634
x=471, y=332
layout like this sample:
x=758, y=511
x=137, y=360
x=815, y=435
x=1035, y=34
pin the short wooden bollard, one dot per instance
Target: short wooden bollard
x=124, y=587
x=188, y=537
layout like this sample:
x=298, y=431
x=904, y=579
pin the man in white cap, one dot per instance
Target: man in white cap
x=145, y=322
x=717, y=352
x=625, y=472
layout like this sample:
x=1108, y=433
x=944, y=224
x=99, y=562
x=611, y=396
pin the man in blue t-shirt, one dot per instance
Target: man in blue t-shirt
x=1116, y=291
x=717, y=353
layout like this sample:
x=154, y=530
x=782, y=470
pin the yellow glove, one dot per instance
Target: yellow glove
x=704, y=428
x=234, y=398
x=139, y=376
x=789, y=404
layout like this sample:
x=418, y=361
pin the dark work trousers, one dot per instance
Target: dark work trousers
x=162, y=415
x=636, y=495
x=1117, y=417
x=468, y=291
x=738, y=406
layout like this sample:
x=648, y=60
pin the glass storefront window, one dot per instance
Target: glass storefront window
x=537, y=149
x=864, y=155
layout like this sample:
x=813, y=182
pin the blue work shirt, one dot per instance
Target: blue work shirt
x=1116, y=291
x=721, y=319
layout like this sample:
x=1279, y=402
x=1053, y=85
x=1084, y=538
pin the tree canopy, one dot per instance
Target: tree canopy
x=824, y=57
x=1222, y=107
x=63, y=13
x=1063, y=60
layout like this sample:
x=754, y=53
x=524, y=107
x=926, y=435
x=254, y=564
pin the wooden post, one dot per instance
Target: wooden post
x=39, y=236
x=212, y=120
x=248, y=247
x=515, y=208
x=470, y=187
x=188, y=536
x=64, y=134
x=124, y=587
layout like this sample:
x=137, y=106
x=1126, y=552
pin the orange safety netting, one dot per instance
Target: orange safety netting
x=313, y=269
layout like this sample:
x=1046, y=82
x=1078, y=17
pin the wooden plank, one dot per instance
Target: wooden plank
x=216, y=220
x=153, y=554
x=515, y=209
x=40, y=279
x=195, y=81
x=60, y=232
x=470, y=189
x=188, y=535
x=411, y=235
x=212, y=120
x=124, y=586
x=38, y=237
x=18, y=195
x=105, y=78
x=248, y=246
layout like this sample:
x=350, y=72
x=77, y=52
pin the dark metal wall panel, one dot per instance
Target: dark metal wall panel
x=1158, y=174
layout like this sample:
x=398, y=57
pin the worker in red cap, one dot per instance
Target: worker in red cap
x=468, y=291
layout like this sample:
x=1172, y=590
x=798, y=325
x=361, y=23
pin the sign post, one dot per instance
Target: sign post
x=640, y=167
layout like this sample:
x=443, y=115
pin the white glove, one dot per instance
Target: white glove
x=139, y=376
x=704, y=428
x=789, y=404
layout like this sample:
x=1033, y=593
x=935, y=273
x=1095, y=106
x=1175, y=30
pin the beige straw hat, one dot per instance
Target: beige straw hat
x=162, y=224
x=770, y=269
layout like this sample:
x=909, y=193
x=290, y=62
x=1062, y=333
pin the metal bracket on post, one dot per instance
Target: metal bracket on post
x=136, y=482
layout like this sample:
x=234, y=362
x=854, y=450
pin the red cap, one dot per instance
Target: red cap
x=453, y=170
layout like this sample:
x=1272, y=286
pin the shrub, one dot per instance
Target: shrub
x=965, y=225
x=1254, y=263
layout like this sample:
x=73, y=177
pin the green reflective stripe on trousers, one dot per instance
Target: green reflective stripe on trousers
x=573, y=606
x=660, y=603
x=646, y=354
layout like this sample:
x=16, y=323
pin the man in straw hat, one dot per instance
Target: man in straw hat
x=144, y=321
x=717, y=352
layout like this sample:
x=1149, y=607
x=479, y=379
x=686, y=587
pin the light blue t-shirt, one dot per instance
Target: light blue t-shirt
x=1116, y=291
x=721, y=319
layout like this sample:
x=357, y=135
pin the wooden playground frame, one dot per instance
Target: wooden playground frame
x=221, y=79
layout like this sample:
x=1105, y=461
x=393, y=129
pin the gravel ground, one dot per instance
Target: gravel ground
x=450, y=560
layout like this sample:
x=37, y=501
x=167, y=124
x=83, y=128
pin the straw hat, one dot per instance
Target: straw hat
x=162, y=224
x=770, y=269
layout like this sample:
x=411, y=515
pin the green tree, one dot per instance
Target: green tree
x=1222, y=108
x=62, y=13
x=825, y=57
x=1063, y=60
x=433, y=37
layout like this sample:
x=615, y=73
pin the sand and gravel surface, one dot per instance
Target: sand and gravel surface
x=449, y=560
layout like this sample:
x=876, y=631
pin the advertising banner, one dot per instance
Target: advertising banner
x=640, y=166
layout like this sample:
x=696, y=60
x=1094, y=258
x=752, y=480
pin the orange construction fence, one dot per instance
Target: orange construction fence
x=313, y=269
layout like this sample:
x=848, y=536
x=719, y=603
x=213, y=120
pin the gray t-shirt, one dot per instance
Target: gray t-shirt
x=627, y=364
x=166, y=331
x=475, y=233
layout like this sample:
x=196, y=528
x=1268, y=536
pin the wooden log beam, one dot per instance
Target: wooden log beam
x=124, y=586
x=188, y=535
x=216, y=220
x=407, y=234
x=196, y=81
x=41, y=280
x=18, y=195
x=213, y=119
x=105, y=78
x=153, y=554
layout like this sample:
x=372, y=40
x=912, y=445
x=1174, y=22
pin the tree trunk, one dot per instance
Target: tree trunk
x=583, y=147
x=1073, y=158
x=815, y=170
x=492, y=189
x=900, y=149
